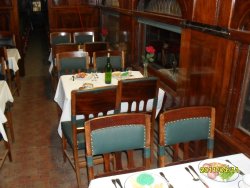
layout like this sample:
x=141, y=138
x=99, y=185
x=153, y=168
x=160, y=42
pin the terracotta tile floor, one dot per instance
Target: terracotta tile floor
x=37, y=157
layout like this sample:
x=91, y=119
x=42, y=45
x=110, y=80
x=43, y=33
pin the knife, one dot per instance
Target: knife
x=202, y=181
x=240, y=172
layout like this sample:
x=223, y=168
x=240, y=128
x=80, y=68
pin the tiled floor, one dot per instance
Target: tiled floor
x=37, y=156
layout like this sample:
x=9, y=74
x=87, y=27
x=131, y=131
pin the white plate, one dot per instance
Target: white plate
x=87, y=76
x=156, y=181
x=240, y=184
x=116, y=74
x=224, y=168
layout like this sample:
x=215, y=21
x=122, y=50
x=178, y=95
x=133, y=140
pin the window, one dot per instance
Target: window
x=166, y=40
x=244, y=123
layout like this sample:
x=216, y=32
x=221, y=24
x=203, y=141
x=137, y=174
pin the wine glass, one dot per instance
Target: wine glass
x=129, y=70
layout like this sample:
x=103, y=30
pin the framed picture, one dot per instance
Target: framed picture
x=36, y=6
x=92, y=2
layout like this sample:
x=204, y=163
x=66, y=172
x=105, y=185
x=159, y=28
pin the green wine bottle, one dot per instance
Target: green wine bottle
x=108, y=71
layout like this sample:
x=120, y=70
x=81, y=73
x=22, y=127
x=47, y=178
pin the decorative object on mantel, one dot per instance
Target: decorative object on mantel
x=148, y=58
x=170, y=7
x=104, y=34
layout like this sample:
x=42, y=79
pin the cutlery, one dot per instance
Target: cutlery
x=240, y=172
x=119, y=182
x=169, y=185
x=195, y=179
x=202, y=181
x=114, y=182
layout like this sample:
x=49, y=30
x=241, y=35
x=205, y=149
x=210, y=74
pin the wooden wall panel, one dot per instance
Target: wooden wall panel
x=5, y=20
x=205, y=11
x=213, y=12
x=206, y=64
x=73, y=17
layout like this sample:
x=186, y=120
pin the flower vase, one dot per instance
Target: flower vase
x=103, y=39
x=145, y=73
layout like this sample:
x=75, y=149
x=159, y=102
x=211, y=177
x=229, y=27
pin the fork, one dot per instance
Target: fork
x=114, y=182
x=119, y=182
x=169, y=185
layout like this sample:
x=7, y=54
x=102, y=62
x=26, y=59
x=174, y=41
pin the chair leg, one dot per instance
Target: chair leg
x=7, y=146
x=10, y=124
x=64, y=147
x=77, y=168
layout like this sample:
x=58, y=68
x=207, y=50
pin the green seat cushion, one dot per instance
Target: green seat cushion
x=67, y=132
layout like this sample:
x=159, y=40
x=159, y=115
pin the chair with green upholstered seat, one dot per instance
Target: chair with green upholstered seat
x=72, y=62
x=91, y=47
x=88, y=103
x=59, y=38
x=117, y=133
x=7, y=39
x=117, y=60
x=138, y=93
x=186, y=134
x=83, y=37
x=55, y=49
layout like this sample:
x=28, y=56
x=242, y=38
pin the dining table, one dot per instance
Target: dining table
x=67, y=83
x=179, y=177
x=13, y=58
x=5, y=96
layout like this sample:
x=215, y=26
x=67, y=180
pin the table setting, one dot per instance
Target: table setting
x=235, y=173
x=67, y=83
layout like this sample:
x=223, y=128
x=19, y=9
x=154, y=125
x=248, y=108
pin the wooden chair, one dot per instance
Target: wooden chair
x=83, y=37
x=180, y=128
x=117, y=60
x=11, y=78
x=72, y=62
x=84, y=102
x=60, y=38
x=6, y=153
x=137, y=90
x=91, y=47
x=7, y=39
x=117, y=133
x=59, y=48
x=3, y=73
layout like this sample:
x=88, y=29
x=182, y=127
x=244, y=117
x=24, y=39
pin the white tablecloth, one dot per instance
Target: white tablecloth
x=13, y=57
x=66, y=85
x=180, y=178
x=5, y=96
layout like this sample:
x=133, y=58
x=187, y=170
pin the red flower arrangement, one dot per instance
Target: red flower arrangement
x=149, y=56
x=104, y=32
